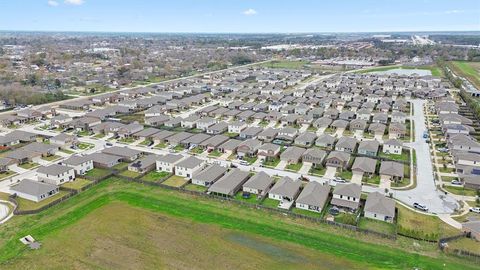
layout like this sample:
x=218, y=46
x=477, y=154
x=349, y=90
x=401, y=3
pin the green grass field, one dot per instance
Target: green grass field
x=469, y=70
x=285, y=64
x=77, y=184
x=436, y=71
x=175, y=181
x=422, y=226
x=154, y=176
x=124, y=225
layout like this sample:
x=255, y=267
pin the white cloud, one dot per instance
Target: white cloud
x=74, y=2
x=52, y=3
x=250, y=12
x=454, y=11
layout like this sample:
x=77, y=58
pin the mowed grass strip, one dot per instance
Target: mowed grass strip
x=226, y=215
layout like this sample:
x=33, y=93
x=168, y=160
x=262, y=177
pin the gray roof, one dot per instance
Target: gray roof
x=230, y=182
x=364, y=164
x=292, y=153
x=369, y=145
x=314, y=194
x=346, y=142
x=215, y=141
x=391, y=168
x=343, y=156
x=121, y=151
x=349, y=189
x=379, y=204
x=32, y=187
x=76, y=160
x=169, y=158
x=231, y=144
x=211, y=173
x=260, y=181
x=251, y=131
x=190, y=162
x=393, y=142
x=54, y=169
x=144, y=162
x=103, y=158
x=196, y=139
x=286, y=186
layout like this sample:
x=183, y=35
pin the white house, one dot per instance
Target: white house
x=189, y=166
x=392, y=147
x=56, y=174
x=167, y=163
x=34, y=190
x=81, y=164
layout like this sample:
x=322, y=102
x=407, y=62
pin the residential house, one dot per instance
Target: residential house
x=259, y=184
x=393, y=147
x=230, y=183
x=166, y=163
x=313, y=197
x=80, y=164
x=391, y=170
x=33, y=190
x=188, y=166
x=368, y=148
x=209, y=175
x=56, y=174
x=347, y=196
x=379, y=207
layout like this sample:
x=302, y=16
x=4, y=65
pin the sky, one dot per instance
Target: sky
x=240, y=16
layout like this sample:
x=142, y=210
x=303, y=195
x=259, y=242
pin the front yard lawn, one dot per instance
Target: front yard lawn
x=318, y=171
x=24, y=204
x=51, y=158
x=446, y=170
x=374, y=180
x=215, y=153
x=146, y=142
x=99, y=136
x=376, y=225
x=347, y=175
x=175, y=181
x=160, y=145
x=179, y=148
x=84, y=146
x=66, y=151
x=231, y=134
x=294, y=167
x=460, y=190
x=197, y=150
x=128, y=140
x=271, y=162
x=155, y=176
x=28, y=165
x=198, y=188
x=77, y=184
x=250, y=160
x=6, y=174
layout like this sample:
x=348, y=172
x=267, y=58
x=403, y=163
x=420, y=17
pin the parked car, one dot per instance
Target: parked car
x=420, y=206
x=444, y=150
x=244, y=163
x=475, y=210
x=456, y=182
x=109, y=144
x=339, y=180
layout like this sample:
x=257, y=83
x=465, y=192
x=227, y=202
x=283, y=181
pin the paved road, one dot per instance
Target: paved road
x=426, y=191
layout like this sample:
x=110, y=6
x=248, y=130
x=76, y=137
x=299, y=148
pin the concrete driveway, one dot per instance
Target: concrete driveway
x=305, y=168
x=281, y=165
x=357, y=178
x=385, y=183
x=330, y=172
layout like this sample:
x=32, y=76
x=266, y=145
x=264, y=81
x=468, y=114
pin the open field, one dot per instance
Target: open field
x=422, y=226
x=286, y=64
x=469, y=70
x=124, y=225
x=436, y=71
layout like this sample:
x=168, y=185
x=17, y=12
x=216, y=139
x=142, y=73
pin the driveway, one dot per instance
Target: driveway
x=303, y=128
x=385, y=183
x=339, y=132
x=357, y=178
x=330, y=172
x=16, y=169
x=305, y=168
x=281, y=165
